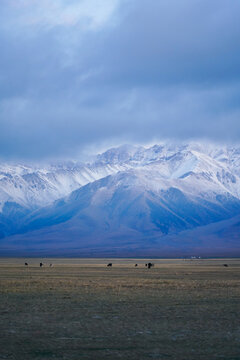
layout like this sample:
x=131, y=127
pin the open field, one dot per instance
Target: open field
x=80, y=309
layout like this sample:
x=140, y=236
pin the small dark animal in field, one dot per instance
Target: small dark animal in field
x=26, y=264
x=226, y=265
x=110, y=264
x=41, y=264
x=149, y=265
x=136, y=265
x=51, y=265
x=146, y=265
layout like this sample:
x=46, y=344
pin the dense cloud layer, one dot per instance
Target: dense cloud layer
x=78, y=73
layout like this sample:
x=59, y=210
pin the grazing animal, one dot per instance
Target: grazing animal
x=110, y=264
x=149, y=265
x=226, y=265
x=146, y=265
x=136, y=265
x=41, y=264
x=26, y=264
x=50, y=265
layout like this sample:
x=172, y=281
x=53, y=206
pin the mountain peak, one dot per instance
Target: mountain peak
x=127, y=192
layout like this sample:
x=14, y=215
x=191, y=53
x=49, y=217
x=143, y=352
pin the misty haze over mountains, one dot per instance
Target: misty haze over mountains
x=129, y=201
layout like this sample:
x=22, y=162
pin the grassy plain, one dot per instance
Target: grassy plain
x=80, y=309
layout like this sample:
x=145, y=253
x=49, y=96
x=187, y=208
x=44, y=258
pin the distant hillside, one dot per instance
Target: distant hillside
x=130, y=200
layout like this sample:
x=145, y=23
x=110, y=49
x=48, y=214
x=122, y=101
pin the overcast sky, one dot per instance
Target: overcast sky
x=80, y=73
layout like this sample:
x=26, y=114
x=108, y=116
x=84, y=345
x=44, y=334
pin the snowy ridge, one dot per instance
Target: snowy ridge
x=33, y=187
x=128, y=194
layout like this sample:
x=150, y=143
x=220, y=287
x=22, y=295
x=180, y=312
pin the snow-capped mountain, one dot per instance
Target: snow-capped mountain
x=35, y=186
x=128, y=192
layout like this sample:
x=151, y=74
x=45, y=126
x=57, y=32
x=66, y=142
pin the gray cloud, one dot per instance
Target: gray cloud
x=139, y=72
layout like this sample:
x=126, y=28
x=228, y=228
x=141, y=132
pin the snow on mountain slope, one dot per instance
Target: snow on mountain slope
x=130, y=189
x=35, y=186
x=192, y=198
x=129, y=208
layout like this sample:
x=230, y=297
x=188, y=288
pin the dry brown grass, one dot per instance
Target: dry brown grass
x=80, y=309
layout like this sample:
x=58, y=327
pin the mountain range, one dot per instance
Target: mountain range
x=162, y=200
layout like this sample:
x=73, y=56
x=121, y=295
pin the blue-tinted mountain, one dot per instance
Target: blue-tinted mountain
x=135, y=198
